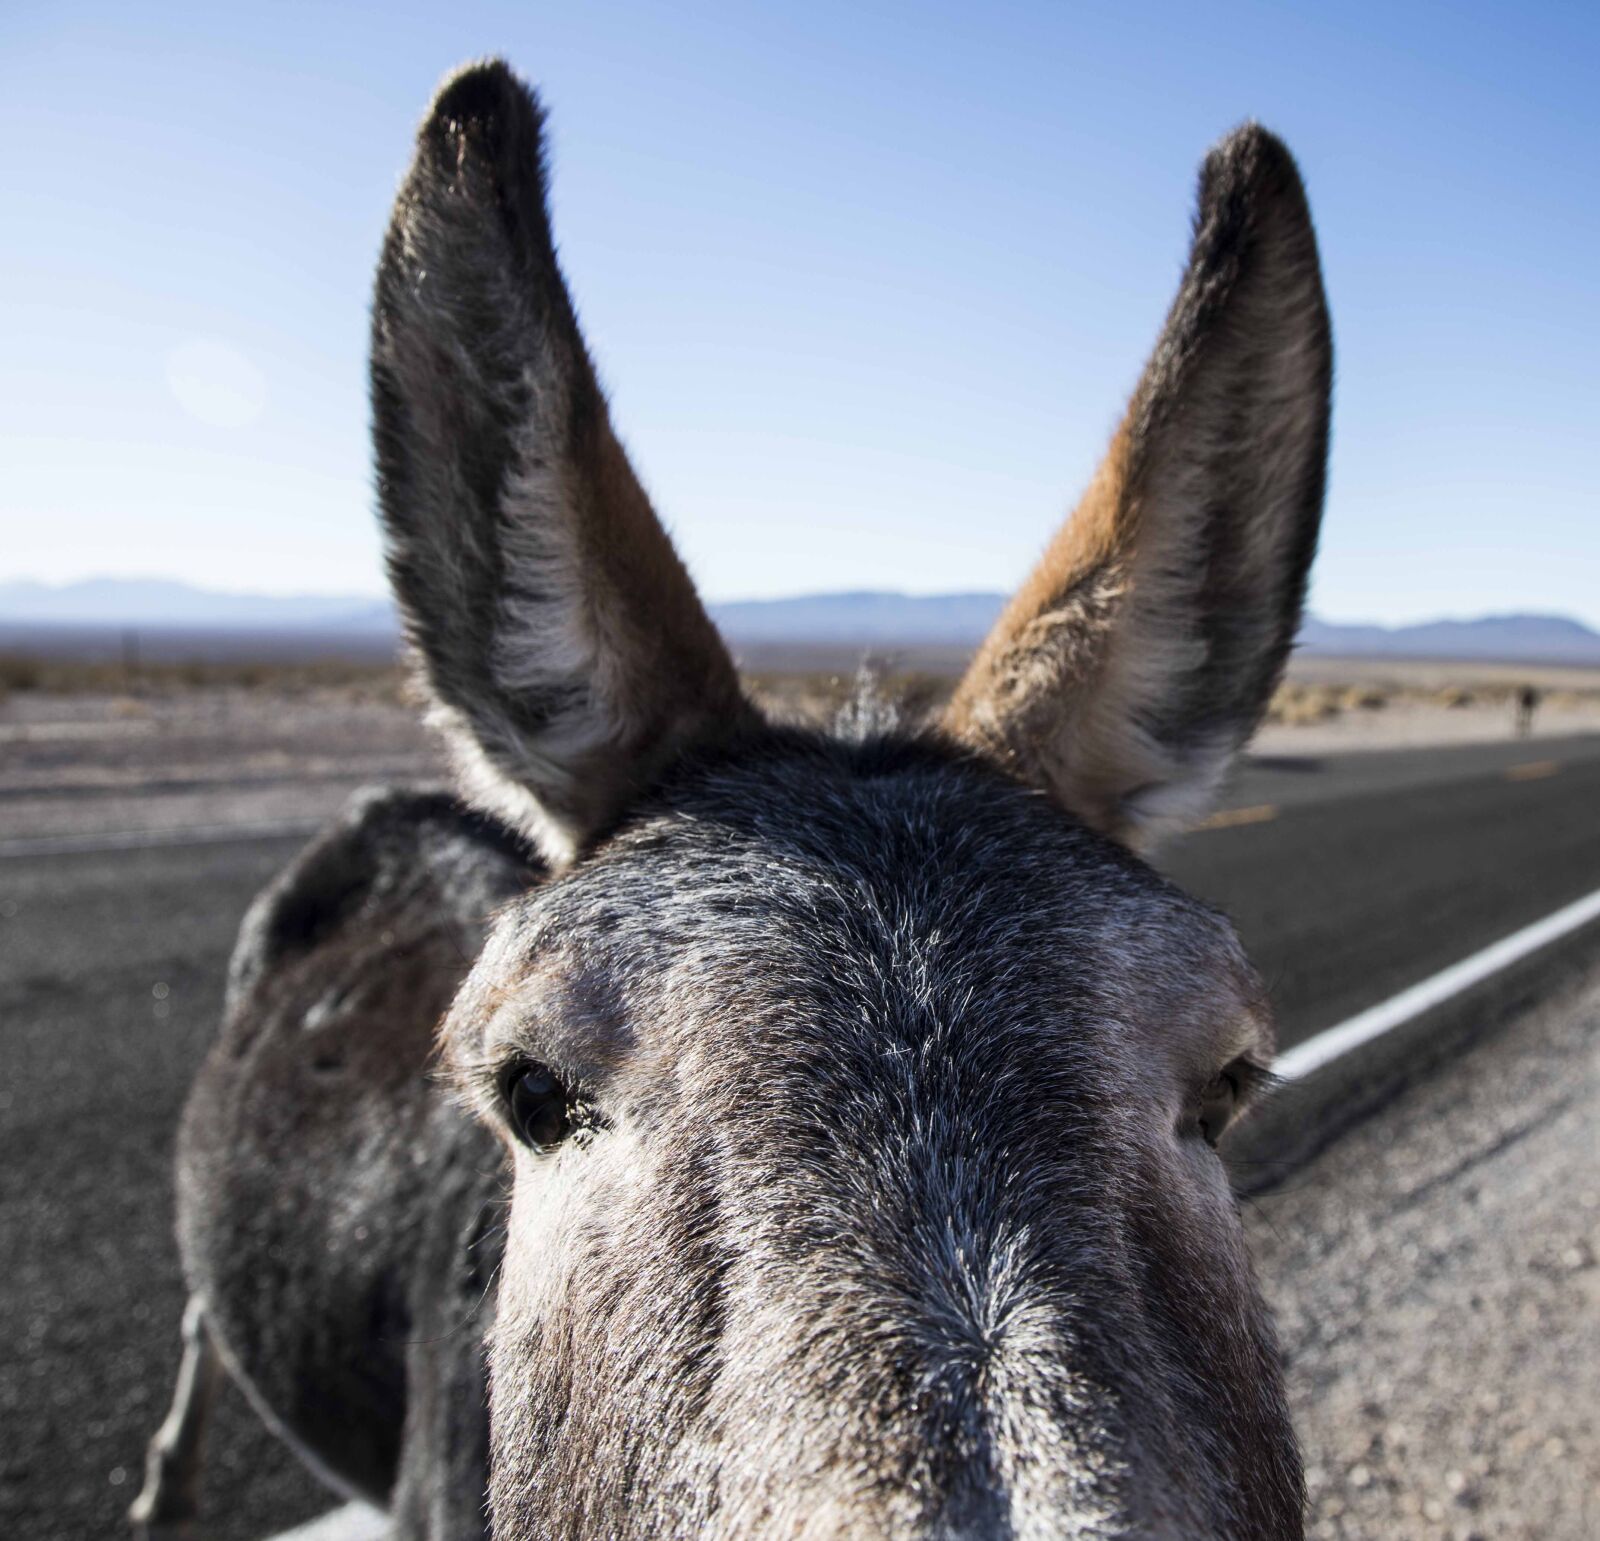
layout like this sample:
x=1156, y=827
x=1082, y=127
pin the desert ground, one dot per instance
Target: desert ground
x=86, y=750
x=1438, y=1300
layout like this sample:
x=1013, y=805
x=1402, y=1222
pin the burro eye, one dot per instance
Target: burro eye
x=1218, y=1100
x=538, y=1107
x=1221, y=1099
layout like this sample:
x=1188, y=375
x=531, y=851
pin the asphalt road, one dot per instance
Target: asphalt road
x=1353, y=877
x=1350, y=879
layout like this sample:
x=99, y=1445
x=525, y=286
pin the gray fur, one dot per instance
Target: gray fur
x=891, y=1222
x=884, y=1210
x=338, y=1218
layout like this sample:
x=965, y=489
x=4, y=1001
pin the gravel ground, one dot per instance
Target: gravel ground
x=90, y=764
x=1435, y=1279
x=1419, y=724
x=87, y=764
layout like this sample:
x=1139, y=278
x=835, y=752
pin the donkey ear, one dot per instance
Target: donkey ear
x=1141, y=654
x=560, y=639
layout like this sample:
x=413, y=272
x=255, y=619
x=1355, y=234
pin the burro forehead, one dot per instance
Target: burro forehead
x=883, y=1224
x=841, y=905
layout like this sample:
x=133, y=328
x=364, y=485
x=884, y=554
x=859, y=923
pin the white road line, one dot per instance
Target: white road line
x=145, y=839
x=1306, y=1058
x=354, y=1522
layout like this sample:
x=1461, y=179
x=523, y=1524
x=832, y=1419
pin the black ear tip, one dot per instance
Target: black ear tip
x=1252, y=160
x=487, y=103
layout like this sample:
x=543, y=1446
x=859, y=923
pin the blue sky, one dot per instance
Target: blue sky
x=868, y=283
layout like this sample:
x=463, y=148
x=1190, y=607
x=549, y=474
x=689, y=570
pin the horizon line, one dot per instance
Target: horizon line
x=384, y=597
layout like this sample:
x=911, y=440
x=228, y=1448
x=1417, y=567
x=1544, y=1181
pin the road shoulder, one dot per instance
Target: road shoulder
x=1434, y=1274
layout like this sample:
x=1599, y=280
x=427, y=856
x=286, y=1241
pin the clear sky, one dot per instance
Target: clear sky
x=869, y=283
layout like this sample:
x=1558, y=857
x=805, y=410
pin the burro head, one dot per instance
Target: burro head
x=860, y=1091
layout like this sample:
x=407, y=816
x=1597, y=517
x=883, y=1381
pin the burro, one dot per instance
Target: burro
x=819, y=1137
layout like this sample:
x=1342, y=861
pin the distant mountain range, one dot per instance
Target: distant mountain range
x=1507, y=638
x=866, y=619
x=162, y=602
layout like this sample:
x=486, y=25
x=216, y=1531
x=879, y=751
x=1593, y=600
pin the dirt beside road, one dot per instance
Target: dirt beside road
x=1336, y=705
x=86, y=764
x=92, y=762
x=1435, y=1279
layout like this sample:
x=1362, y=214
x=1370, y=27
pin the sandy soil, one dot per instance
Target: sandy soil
x=86, y=764
x=1425, y=674
x=91, y=763
x=1335, y=705
x=1416, y=724
x=1435, y=1279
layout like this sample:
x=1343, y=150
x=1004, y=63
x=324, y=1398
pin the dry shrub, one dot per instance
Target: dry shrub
x=18, y=672
x=346, y=679
x=816, y=698
x=1364, y=698
x=1454, y=697
x=1299, y=705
